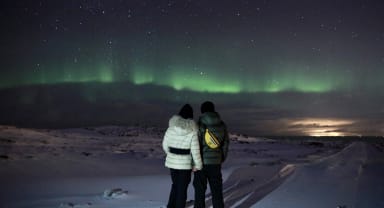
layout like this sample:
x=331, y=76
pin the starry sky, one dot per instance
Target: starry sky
x=273, y=67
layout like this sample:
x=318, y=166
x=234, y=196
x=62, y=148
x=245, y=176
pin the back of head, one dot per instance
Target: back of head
x=186, y=112
x=207, y=106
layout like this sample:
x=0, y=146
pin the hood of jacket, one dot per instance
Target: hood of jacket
x=210, y=118
x=182, y=126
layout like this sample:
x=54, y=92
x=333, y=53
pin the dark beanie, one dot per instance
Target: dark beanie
x=207, y=106
x=186, y=112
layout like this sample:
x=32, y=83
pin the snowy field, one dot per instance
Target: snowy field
x=120, y=167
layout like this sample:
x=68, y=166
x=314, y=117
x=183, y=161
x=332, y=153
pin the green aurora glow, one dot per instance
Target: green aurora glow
x=216, y=82
x=68, y=74
x=202, y=80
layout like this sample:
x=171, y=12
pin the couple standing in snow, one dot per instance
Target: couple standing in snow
x=200, y=148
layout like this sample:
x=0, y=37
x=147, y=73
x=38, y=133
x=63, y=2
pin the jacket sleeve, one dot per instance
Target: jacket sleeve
x=195, y=151
x=226, y=143
x=200, y=135
x=165, y=143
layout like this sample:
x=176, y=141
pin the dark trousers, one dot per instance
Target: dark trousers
x=180, y=182
x=212, y=174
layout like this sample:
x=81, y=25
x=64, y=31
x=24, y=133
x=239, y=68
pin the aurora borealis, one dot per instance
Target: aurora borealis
x=277, y=63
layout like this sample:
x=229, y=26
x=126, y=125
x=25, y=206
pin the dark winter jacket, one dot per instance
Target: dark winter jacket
x=213, y=122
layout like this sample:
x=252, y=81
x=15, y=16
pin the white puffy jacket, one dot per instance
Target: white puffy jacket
x=182, y=134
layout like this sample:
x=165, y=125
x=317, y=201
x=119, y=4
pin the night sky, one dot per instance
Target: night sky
x=273, y=67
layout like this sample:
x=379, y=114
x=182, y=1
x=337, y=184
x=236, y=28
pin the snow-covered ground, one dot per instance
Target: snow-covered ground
x=116, y=167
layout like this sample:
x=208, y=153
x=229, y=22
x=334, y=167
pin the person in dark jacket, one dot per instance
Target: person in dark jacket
x=212, y=157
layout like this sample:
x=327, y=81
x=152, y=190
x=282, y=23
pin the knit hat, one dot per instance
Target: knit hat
x=207, y=106
x=186, y=112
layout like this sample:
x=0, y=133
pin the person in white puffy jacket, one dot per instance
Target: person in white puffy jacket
x=182, y=148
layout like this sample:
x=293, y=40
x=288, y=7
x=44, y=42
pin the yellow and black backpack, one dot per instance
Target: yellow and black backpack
x=211, y=140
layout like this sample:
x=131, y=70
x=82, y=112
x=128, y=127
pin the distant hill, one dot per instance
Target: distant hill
x=84, y=104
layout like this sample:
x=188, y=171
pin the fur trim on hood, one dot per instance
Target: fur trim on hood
x=187, y=125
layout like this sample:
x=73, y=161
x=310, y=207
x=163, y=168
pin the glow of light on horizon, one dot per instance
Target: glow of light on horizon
x=322, y=126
